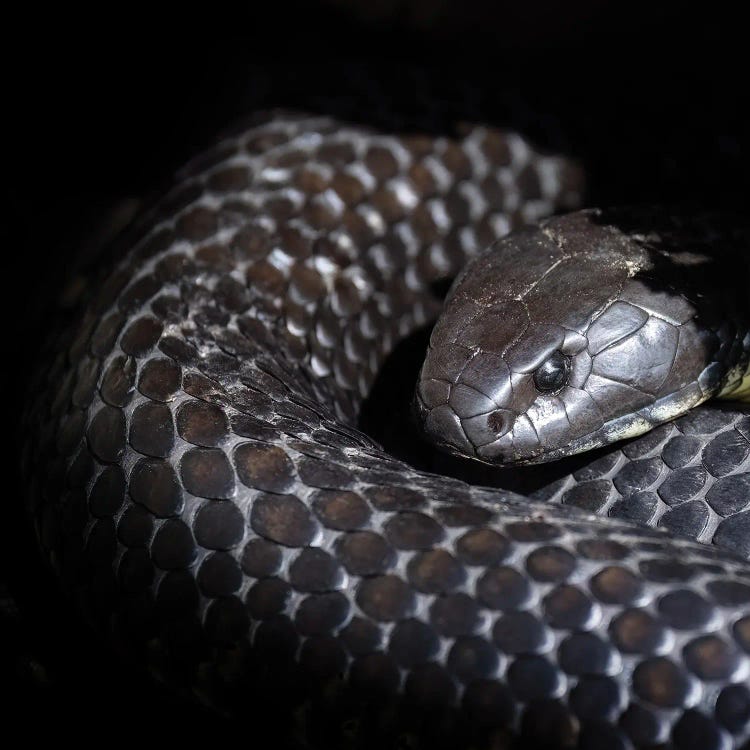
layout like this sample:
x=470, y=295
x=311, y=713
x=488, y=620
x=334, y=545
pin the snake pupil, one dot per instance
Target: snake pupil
x=552, y=374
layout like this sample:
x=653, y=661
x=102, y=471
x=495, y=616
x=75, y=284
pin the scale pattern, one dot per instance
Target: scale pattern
x=690, y=476
x=196, y=478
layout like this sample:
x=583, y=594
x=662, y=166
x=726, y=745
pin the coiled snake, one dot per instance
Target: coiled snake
x=198, y=479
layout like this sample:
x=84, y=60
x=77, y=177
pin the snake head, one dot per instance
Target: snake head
x=567, y=337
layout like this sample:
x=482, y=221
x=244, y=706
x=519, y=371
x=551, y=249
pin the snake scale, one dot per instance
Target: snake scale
x=197, y=477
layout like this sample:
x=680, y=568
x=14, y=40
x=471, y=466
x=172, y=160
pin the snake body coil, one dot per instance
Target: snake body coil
x=198, y=479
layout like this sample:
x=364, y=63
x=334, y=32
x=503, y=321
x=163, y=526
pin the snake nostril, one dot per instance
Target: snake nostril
x=499, y=422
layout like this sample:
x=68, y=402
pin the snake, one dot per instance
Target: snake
x=198, y=480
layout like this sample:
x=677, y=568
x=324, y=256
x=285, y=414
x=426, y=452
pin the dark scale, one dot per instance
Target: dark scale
x=319, y=614
x=209, y=495
x=695, y=483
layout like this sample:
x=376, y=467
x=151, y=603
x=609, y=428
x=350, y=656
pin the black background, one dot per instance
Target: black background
x=100, y=107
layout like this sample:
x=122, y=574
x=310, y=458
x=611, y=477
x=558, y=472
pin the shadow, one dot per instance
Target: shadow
x=696, y=254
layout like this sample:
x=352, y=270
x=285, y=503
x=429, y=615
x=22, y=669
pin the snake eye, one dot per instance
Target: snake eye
x=553, y=373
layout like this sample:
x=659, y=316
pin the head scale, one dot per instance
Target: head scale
x=564, y=338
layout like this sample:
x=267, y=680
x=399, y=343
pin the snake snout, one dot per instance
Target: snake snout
x=442, y=426
x=459, y=418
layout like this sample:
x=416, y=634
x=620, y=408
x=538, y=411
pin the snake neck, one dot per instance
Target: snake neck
x=737, y=387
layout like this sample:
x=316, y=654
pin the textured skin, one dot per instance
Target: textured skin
x=691, y=477
x=631, y=310
x=196, y=476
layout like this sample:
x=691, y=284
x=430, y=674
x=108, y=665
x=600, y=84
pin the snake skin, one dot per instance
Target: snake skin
x=630, y=309
x=197, y=478
x=690, y=476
